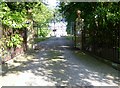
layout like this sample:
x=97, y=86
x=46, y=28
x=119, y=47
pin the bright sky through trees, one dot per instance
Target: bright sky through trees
x=52, y=3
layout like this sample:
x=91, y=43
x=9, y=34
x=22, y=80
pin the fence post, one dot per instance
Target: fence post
x=118, y=45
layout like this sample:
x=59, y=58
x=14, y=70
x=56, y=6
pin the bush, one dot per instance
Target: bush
x=44, y=32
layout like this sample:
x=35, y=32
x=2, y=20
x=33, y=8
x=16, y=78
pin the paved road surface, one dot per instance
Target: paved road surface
x=56, y=63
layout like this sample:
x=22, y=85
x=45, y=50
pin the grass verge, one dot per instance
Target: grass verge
x=36, y=40
x=70, y=37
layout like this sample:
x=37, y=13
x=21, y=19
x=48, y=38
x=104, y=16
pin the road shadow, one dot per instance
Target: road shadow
x=57, y=60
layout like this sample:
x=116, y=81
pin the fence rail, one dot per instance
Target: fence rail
x=107, y=50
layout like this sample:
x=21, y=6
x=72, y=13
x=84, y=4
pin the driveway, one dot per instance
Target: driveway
x=56, y=63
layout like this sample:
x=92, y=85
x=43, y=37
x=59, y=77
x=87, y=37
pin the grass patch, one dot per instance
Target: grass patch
x=36, y=40
x=69, y=37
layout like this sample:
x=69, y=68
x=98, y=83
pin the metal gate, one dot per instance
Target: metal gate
x=107, y=50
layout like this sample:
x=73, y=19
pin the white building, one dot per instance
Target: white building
x=60, y=29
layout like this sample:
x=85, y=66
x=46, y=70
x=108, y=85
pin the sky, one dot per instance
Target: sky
x=52, y=3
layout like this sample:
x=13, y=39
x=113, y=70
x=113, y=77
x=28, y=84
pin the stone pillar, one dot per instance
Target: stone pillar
x=30, y=31
x=30, y=35
x=79, y=28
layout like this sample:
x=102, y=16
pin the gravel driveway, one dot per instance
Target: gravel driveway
x=55, y=63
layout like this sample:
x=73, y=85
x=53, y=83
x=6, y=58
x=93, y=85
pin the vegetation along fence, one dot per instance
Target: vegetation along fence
x=105, y=44
x=101, y=32
x=13, y=42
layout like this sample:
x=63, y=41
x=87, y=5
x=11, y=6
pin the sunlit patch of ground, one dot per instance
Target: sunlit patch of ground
x=57, y=64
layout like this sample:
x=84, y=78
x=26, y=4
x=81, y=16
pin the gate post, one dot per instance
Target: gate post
x=30, y=31
x=78, y=31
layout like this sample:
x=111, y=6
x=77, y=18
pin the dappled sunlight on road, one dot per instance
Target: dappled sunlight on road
x=56, y=63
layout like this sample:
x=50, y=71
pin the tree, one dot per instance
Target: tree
x=101, y=19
